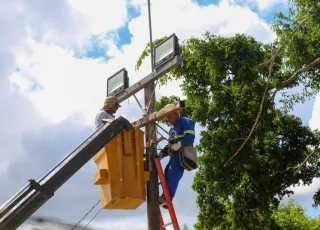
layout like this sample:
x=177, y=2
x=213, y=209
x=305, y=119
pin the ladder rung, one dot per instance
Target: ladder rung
x=167, y=224
x=165, y=203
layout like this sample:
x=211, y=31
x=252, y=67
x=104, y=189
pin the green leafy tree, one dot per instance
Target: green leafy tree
x=251, y=151
x=299, y=33
x=292, y=216
x=315, y=223
x=226, y=88
x=302, y=52
x=185, y=227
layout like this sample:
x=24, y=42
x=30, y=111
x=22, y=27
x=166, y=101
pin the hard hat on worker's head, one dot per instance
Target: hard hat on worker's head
x=111, y=103
x=172, y=117
x=171, y=105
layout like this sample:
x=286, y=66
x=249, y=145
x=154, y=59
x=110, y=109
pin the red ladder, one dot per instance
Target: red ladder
x=167, y=197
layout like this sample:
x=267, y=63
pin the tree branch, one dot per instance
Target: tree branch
x=273, y=96
x=300, y=71
x=294, y=77
x=238, y=139
x=285, y=42
x=259, y=114
x=299, y=167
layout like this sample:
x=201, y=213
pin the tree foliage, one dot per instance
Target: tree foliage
x=230, y=85
x=292, y=216
x=303, y=50
x=185, y=227
x=146, y=50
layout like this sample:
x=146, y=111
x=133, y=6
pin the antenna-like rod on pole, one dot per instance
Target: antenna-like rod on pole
x=150, y=131
x=150, y=34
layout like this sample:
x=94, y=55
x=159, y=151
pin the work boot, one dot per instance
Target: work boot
x=162, y=202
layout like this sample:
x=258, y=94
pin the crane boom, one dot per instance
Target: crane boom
x=33, y=195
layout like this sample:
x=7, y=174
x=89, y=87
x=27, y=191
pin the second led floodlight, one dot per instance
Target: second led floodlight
x=165, y=51
x=117, y=83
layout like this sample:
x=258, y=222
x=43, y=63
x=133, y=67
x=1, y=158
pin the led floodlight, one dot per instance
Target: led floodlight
x=117, y=83
x=165, y=51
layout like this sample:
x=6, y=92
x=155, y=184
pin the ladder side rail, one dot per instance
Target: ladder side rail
x=161, y=221
x=167, y=194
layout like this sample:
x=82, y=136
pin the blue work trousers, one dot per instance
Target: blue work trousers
x=173, y=173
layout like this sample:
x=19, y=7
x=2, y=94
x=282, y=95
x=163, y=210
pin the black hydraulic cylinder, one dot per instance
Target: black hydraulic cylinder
x=29, y=199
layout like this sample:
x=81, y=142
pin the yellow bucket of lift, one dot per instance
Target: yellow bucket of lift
x=121, y=176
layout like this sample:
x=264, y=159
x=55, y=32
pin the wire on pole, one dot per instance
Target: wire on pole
x=92, y=218
x=86, y=215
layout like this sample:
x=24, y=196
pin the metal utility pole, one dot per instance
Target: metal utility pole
x=150, y=130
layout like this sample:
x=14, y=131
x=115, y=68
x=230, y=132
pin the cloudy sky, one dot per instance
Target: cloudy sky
x=55, y=57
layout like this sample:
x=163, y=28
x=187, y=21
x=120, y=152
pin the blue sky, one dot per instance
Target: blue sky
x=123, y=34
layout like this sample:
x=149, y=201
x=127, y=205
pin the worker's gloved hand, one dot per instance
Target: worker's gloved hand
x=176, y=147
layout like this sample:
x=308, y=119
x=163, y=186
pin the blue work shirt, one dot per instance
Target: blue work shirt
x=183, y=130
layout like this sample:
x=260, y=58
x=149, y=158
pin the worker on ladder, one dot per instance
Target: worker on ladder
x=110, y=107
x=182, y=133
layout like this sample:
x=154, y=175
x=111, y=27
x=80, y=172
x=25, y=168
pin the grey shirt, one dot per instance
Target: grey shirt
x=102, y=115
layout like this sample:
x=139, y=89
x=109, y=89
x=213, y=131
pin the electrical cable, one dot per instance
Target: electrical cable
x=92, y=218
x=86, y=215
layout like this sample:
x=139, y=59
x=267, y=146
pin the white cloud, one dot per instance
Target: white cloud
x=185, y=18
x=12, y=124
x=307, y=190
x=264, y=5
x=60, y=87
x=65, y=22
x=315, y=121
x=66, y=85
x=81, y=83
x=102, y=15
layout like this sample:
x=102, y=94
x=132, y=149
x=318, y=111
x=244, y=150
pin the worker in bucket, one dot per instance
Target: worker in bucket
x=110, y=107
x=182, y=133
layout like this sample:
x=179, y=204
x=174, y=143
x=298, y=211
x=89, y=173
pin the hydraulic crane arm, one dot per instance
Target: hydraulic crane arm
x=32, y=196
